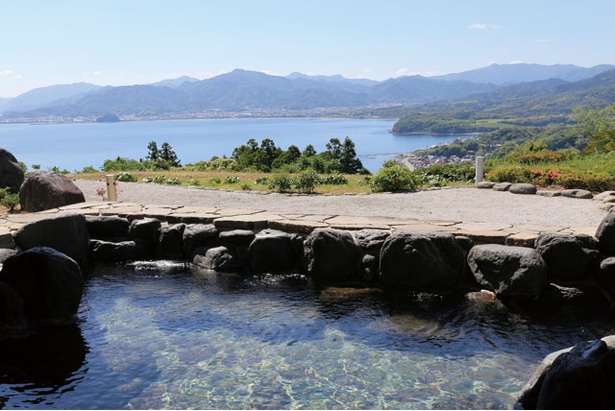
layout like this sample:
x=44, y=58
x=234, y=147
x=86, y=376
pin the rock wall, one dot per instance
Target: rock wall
x=560, y=268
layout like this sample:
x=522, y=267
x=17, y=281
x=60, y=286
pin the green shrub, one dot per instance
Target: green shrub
x=159, y=179
x=215, y=180
x=85, y=170
x=231, y=180
x=281, y=183
x=506, y=173
x=8, y=199
x=566, y=177
x=334, y=179
x=246, y=187
x=126, y=177
x=173, y=181
x=261, y=180
x=193, y=182
x=389, y=163
x=395, y=178
x=56, y=169
x=444, y=174
x=306, y=181
x=123, y=164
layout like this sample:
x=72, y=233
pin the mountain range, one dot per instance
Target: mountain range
x=242, y=91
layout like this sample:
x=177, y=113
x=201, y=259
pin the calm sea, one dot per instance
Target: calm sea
x=74, y=146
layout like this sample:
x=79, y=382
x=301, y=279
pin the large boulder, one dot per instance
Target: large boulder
x=331, y=254
x=65, y=232
x=575, y=296
x=49, y=283
x=568, y=257
x=11, y=308
x=371, y=240
x=271, y=251
x=236, y=238
x=605, y=233
x=109, y=228
x=43, y=191
x=606, y=276
x=580, y=377
x=508, y=271
x=196, y=235
x=144, y=232
x=44, y=357
x=170, y=242
x=11, y=173
x=115, y=252
x=422, y=261
x=219, y=259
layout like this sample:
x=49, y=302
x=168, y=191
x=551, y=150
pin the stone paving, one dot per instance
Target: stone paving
x=496, y=233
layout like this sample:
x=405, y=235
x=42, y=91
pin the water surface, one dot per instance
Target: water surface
x=165, y=337
x=74, y=146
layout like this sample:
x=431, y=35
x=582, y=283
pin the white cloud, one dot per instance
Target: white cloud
x=10, y=74
x=98, y=73
x=482, y=26
x=407, y=72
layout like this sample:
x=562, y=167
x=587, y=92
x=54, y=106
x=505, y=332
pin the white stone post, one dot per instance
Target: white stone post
x=480, y=172
x=111, y=193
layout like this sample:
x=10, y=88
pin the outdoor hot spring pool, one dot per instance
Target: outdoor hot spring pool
x=156, y=335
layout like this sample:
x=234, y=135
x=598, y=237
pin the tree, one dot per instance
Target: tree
x=348, y=158
x=152, y=149
x=251, y=156
x=269, y=153
x=309, y=151
x=167, y=154
x=334, y=149
x=290, y=156
x=246, y=155
x=600, y=126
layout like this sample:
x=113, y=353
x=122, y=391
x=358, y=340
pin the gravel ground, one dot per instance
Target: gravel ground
x=462, y=204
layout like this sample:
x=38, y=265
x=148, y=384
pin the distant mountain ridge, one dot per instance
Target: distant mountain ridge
x=506, y=74
x=45, y=96
x=244, y=91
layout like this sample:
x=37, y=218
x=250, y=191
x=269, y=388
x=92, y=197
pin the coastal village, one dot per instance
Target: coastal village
x=415, y=161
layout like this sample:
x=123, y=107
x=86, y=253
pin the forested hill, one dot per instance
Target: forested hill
x=535, y=103
x=243, y=92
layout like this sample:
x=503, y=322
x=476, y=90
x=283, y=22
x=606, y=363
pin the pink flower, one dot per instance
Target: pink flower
x=101, y=192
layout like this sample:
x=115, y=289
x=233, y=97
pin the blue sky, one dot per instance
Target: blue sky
x=120, y=42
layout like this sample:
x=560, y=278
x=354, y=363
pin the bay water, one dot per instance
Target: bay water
x=77, y=145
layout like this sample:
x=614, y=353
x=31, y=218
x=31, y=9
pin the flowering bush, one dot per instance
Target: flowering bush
x=566, y=177
x=101, y=193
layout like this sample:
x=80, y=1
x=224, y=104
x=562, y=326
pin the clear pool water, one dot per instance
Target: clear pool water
x=161, y=336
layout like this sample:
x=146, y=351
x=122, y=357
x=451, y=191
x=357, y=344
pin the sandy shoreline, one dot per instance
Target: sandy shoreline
x=461, y=204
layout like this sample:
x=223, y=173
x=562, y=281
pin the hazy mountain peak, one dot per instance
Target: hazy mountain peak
x=336, y=78
x=45, y=96
x=174, y=83
x=504, y=74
